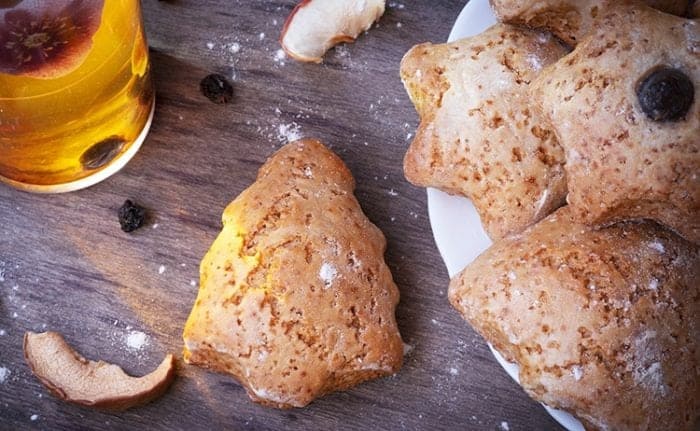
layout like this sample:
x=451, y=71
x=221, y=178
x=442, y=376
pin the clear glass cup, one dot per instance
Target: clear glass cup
x=76, y=98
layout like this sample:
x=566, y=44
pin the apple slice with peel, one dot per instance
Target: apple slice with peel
x=73, y=378
x=315, y=26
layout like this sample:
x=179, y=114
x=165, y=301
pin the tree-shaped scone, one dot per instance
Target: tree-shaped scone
x=295, y=298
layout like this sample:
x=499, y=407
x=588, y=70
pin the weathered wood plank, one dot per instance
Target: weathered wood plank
x=77, y=273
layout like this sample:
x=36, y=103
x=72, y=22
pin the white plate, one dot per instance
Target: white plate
x=457, y=229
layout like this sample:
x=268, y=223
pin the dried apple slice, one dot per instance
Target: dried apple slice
x=47, y=39
x=73, y=378
x=315, y=26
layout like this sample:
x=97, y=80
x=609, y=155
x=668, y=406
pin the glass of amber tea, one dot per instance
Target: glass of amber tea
x=76, y=98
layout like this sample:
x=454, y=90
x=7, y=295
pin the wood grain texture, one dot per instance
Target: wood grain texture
x=66, y=265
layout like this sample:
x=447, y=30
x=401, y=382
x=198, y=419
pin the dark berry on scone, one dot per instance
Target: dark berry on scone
x=665, y=94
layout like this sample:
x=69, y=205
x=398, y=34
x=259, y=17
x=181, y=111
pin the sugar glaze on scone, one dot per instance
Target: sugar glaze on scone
x=602, y=322
x=295, y=298
x=569, y=20
x=623, y=160
x=479, y=137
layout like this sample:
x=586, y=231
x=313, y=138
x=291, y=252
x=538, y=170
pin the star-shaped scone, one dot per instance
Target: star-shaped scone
x=602, y=322
x=570, y=20
x=295, y=298
x=626, y=108
x=479, y=137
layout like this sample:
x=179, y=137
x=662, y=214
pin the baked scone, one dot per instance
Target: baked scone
x=295, y=298
x=569, y=20
x=625, y=105
x=603, y=323
x=478, y=135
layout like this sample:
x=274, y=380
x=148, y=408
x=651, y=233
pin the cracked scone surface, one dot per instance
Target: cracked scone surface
x=569, y=20
x=295, y=298
x=620, y=163
x=603, y=323
x=479, y=136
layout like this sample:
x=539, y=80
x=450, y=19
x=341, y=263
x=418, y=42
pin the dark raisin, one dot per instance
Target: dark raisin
x=131, y=216
x=665, y=94
x=216, y=88
x=101, y=153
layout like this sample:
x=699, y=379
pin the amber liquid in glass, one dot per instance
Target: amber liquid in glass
x=63, y=125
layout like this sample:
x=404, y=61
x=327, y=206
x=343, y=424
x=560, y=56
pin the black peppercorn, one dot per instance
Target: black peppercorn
x=131, y=216
x=665, y=94
x=216, y=88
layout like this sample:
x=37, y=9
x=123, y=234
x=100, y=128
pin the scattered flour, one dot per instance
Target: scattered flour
x=454, y=371
x=234, y=48
x=161, y=269
x=654, y=284
x=327, y=273
x=193, y=283
x=504, y=426
x=656, y=245
x=288, y=132
x=393, y=192
x=4, y=374
x=210, y=45
x=136, y=340
x=646, y=366
x=577, y=372
x=2, y=332
x=280, y=57
x=33, y=417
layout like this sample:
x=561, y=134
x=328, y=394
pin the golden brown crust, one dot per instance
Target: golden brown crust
x=478, y=136
x=569, y=20
x=295, y=299
x=620, y=163
x=603, y=323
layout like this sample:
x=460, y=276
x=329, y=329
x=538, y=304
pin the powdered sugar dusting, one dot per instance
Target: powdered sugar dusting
x=280, y=57
x=289, y=132
x=136, y=340
x=656, y=245
x=654, y=284
x=327, y=273
x=4, y=374
x=577, y=372
x=646, y=366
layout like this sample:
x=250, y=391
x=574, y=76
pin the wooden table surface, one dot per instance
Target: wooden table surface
x=66, y=266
